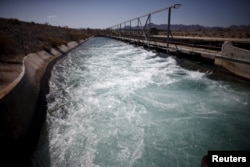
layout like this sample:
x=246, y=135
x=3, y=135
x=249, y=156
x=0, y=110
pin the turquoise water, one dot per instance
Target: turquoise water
x=114, y=104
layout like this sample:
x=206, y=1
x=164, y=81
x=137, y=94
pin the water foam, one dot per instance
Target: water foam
x=113, y=104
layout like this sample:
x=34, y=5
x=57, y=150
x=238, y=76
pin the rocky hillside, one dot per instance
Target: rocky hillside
x=18, y=38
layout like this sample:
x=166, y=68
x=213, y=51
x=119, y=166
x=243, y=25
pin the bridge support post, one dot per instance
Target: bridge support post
x=169, y=18
x=130, y=30
x=120, y=29
x=168, y=32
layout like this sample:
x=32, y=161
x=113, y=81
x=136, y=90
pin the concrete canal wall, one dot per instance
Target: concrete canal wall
x=21, y=112
x=235, y=60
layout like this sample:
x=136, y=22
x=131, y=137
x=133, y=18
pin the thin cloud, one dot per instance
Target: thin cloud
x=51, y=16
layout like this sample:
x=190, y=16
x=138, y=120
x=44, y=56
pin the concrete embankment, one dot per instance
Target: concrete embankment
x=235, y=60
x=22, y=112
x=232, y=59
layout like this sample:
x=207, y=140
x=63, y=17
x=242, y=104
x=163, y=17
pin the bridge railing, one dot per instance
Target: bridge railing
x=174, y=42
x=142, y=28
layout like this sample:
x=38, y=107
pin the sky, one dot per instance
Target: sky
x=106, y=13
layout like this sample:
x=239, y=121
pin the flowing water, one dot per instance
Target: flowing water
x=114, y=104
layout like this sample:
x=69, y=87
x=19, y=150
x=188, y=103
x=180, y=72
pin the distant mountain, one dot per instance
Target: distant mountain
x=245, y=27
x=174, y=27
x=177, y=27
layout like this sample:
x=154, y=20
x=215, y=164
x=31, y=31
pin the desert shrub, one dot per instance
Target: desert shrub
x=233, y=36
x=247, y=35
x=6, y=44
x=154, y=31
x=73, y=36
x=42, y=38
x=55, y=41
x=47, y=47
x=14, y=21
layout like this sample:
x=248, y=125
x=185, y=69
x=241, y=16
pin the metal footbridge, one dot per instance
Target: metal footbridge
x=142, y=31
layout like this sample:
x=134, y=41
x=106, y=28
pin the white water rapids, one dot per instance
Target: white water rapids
x=114, y=104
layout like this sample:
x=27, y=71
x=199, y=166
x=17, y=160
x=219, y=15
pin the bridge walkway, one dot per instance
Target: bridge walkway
x=172, y=48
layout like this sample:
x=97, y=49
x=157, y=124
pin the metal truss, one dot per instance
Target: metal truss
x=141, y=32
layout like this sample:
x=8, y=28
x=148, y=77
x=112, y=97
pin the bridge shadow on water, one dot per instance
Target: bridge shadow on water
x=201, y=64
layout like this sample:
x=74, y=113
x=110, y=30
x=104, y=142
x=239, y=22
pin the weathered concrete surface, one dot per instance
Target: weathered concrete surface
x=55, y=52
x=18, y=102
x=235, y=60
x=72, y=44
x=7, y=73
